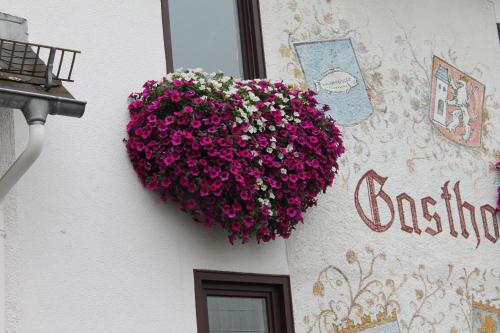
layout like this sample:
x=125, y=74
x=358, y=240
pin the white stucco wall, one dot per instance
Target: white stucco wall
x=497, y=9
x=95, y=251
x=11, y=28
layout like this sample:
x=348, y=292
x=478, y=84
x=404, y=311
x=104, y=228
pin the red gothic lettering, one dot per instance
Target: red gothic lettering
x=377, y=196
x=404, y=227
x=461, y=205
x=373, y=222
x=425, y=201
x=491, y=210
x=447, y=199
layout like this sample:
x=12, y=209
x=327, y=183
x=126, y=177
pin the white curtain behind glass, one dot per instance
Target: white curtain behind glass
x=205, y=34
x=236, y=315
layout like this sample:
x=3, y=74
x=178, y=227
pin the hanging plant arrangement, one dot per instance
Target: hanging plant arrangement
x=246, y=156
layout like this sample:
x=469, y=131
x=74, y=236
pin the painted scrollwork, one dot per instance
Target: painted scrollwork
x=352, y=296
x=317, y=20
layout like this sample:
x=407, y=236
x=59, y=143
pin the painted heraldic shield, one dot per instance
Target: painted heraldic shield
x=331, y=69
x=456, y=105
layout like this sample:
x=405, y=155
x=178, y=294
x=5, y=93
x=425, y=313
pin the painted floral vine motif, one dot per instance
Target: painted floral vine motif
x=400, y=99
x=319, y=21
x=471, y=290
x=353, y=298
x=424, y=316
x=426, y=142
x=350, y=297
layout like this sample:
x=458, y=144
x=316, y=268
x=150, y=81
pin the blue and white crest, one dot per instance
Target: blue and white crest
x=331, y=69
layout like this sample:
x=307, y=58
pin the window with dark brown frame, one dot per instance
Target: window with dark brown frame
x=249, y=33
x=271, y=291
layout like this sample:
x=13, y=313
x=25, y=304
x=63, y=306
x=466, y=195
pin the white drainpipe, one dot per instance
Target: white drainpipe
x=25, y=160
x=35, y=107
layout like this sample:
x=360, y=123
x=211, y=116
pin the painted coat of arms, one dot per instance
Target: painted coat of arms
x=331, y=69
x=382, y=324
x=456, y=105
x=485, y=318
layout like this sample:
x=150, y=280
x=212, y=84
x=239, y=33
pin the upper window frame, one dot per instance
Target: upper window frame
x=250, y=33
x=274, y=288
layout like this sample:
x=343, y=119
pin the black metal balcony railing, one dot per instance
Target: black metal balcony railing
x=37, y=64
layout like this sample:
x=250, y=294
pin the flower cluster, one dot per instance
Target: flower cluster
x=248, y=156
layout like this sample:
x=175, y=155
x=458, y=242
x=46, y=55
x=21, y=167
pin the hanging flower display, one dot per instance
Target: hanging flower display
x=247, y=156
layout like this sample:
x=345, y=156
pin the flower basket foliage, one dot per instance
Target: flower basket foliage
x=246, y=156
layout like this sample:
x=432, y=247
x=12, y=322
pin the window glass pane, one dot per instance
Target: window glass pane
x=236, y=315
x=205, y=34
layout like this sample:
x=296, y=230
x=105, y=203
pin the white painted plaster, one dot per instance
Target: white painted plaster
x=96, y=251
x=497, y=9
x=16, y=28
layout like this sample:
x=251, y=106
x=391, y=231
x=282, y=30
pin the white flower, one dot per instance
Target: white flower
x=251, y=129
x=253, y=97
x=239, y=121
x=272, y=128
x=245, y=137
x=263, y=201
x=283, y=171
x=269, y=150
x=280, y=156
x=272, y=139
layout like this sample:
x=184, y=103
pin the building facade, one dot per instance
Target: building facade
x=406, y=240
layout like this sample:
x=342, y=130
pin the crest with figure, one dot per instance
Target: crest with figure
x=456, y=105
x=485, y=318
